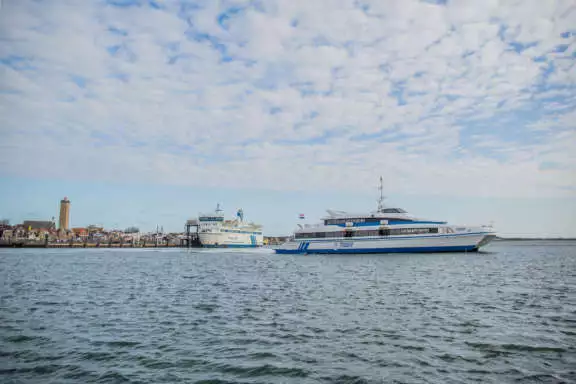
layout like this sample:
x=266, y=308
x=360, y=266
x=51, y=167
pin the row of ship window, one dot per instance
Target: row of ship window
x=358, y=220
x=378, y=232
x=240, y=231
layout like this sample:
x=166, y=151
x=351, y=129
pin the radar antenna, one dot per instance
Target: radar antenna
x=381, y=199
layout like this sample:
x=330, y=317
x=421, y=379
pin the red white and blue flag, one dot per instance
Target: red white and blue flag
x=302, y=216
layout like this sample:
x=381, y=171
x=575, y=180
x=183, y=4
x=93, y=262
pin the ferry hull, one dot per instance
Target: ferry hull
x=469, y=242
x=229, y=240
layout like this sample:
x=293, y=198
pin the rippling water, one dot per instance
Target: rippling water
x=169, y=316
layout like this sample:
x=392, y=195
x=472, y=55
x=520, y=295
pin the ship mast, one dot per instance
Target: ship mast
x=381, y=199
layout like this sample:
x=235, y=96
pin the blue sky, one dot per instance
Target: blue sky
x=146, y=112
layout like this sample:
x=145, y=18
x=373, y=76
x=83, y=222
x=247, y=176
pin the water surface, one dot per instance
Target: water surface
x=171, y=316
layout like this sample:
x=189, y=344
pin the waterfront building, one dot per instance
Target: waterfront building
x=33, y=225
x=80, y=232
x=7, y=234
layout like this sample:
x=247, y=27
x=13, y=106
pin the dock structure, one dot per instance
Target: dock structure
x=191, y=239
x=79, y=244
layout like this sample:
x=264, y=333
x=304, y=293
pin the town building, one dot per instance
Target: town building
x=80, y=233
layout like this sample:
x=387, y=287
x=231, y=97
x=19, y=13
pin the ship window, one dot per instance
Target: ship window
x=346, y=220
x=384, y=232
x=317, y=235
x=367, y=233
x=211, y=219
x=412, y=231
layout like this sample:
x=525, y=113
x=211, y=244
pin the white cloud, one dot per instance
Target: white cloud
x=171, y=96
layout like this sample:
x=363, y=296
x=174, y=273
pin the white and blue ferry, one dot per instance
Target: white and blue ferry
x=386, y=230
x=216, y=232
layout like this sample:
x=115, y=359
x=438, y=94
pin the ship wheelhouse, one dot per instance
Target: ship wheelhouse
x=210, y=222
x=382, y=223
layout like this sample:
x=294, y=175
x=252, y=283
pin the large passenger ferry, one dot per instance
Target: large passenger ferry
x=386, y=230
x=216, y=232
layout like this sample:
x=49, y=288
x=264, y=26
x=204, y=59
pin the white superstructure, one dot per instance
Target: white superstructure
x=386, y=230
x=216, y=232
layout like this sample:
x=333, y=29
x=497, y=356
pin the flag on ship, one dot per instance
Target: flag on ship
x=240, y=214
x=302, y=217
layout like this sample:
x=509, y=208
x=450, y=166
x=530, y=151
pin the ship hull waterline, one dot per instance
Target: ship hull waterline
x=420, y=244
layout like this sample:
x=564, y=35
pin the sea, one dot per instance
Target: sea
x=504, y=315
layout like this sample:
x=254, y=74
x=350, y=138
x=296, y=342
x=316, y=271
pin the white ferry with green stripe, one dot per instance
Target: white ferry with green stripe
x=216, y=232
x=386, y=230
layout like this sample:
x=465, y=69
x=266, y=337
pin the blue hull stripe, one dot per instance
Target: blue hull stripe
x=231, y=246
x=303, y=246
x=459, y=248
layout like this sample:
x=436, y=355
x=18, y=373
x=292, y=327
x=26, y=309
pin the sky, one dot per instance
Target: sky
x=148, y=112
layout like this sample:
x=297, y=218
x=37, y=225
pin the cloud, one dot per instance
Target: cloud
x=458, y=98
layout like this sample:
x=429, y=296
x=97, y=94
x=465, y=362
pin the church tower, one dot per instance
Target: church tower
x=64, y=221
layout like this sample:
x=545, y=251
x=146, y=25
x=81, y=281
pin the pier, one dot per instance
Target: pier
x=77, y=244
x=190, y=241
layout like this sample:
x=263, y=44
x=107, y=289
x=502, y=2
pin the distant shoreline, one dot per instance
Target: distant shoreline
x=152, y=245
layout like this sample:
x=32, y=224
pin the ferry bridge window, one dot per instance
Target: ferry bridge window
x=393, y=210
